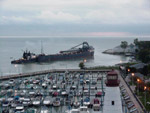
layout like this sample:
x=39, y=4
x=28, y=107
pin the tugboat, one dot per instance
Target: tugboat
x=76, y=52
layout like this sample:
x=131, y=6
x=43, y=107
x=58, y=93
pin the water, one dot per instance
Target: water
x=12, y=48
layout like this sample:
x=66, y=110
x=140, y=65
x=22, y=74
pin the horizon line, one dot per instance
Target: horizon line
x=34, y=36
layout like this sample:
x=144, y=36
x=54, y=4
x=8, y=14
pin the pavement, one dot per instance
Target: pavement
x=133, y=99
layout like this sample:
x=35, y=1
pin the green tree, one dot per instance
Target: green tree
x=145, y=70
x=136, y=42
x=81, y=65
x=144, y=55
x=148, y=66
x=124, y=44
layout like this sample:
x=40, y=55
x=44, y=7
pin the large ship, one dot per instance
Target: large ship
x=83, y=50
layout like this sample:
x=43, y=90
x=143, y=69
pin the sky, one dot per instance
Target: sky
x=74, y=17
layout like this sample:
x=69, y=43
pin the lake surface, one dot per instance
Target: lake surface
x=12, y=48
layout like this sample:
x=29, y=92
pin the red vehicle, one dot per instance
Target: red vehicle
x=112, y=79
x=96, y=104
x=55, y=94
x=98, y=94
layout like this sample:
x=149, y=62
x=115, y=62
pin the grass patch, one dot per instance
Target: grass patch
x=104, y=67
x=129, y=63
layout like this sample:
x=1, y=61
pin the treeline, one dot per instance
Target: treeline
x=143, y=51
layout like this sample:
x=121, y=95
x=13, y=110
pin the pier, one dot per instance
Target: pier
x=5, y=77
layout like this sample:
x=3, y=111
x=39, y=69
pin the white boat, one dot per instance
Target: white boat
x=10, y=99
x=31, y=93
x=36, y=81
x=46, y=101
x=93, y=87
x=64, y=93
x=87, y=81
x=73, y=111
x=44, y=110
x=54, y=86
x=21, y=98
x=85, y=91
x=82, y=109
x=36, y=102
x=73, y=87
x=11, y=81
x=44, y=85
x=86, y=101
x=133, y=110
x=26, y=102
x=19, y=109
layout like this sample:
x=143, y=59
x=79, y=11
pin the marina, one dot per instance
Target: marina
x=74, y=56
x=61, y=91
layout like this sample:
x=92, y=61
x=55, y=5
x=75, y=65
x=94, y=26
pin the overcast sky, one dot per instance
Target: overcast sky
x=74, y=17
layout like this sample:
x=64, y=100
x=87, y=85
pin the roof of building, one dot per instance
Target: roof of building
x=139, y=75
x=138, y=66
x=113, y=72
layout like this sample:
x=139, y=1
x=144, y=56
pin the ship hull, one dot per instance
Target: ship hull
x=60, y=57
x=56, y=57
x=22, y=61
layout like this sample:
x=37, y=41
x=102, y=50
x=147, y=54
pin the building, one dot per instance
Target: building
x=112, y=99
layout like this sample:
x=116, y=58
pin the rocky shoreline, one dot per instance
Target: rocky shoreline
x=118, y=50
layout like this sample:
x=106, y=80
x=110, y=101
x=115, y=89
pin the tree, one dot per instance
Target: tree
x=143, y=55
x=124, y=44
x=148, y=66
x=145, y=70
x=148, y=84
x=136, y=42
x=81, y=65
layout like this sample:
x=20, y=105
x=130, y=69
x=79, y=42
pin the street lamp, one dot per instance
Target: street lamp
x=138, y=81
x=145, y=94
x=132, y=77
x=128, y=70
x=84, y=60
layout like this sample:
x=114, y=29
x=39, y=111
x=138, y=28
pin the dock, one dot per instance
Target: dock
x=20, y=75
x=64, y=89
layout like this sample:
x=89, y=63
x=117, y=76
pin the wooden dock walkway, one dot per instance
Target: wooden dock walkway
x=5, y=77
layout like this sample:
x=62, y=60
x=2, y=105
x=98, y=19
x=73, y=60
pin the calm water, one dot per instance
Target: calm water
x=12, y=48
